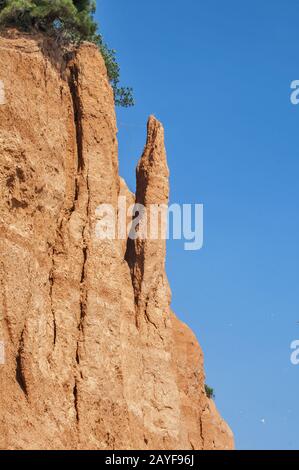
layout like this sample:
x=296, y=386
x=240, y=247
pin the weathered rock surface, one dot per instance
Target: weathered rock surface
x=94, y=357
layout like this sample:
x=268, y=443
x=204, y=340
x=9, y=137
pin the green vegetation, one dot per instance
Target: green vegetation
x=70, y=22
x=209, y=392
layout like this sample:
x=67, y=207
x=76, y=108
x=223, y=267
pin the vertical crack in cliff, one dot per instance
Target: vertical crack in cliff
x=20, y=377
x=75, y=393
x=81, y=185
x=77, y=106
x=21, y=358
x=51, y=281
x=201, y=433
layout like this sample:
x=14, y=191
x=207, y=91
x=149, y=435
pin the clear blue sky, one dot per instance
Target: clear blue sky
x=218, y=74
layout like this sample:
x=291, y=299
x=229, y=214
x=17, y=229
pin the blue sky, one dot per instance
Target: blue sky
x=218, y=74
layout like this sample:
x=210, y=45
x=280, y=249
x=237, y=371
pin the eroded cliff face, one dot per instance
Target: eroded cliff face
x=94, y=357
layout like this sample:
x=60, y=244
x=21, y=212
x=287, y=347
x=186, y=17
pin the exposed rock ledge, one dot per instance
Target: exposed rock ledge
x=95, y=359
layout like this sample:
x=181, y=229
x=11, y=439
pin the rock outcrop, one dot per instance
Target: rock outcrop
x=94, y=356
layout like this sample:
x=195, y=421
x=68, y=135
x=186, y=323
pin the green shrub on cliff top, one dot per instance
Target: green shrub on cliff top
x=69, y=21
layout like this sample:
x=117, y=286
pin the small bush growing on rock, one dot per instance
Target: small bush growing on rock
x=69, y=21
x=209, y=392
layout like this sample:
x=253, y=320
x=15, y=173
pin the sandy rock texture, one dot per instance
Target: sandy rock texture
x=94, y=356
